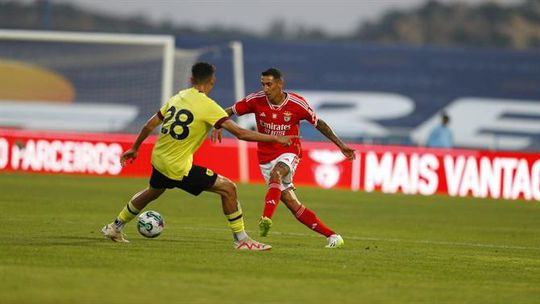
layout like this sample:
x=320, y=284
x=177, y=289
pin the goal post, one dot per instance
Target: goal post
x=81, y=81
x=100, y=82
x=48, y=79
x=240, y=92
x=167, y=42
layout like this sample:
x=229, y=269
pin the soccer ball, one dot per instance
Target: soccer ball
x=150, y=224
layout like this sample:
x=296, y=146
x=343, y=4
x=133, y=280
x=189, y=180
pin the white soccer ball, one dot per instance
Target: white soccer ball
x=150, y=224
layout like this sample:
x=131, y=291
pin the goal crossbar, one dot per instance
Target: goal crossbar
x=168, y=43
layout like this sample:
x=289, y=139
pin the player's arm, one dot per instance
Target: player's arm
x=148, y=127
x=217, y=134
x=325, y=130
x=249, y=135
x=229, y=111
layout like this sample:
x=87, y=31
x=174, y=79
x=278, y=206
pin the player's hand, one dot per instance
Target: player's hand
x=216, y=135
x=130, y=155
x=348, y=152
x=286, y=140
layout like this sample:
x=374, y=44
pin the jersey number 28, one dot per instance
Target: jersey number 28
x=181, y=121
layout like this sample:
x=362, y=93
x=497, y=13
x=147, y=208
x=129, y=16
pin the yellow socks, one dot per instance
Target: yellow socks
x=236, y=223
x=127, y=214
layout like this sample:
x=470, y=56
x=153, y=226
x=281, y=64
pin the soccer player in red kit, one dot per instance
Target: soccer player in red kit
x=279, y=113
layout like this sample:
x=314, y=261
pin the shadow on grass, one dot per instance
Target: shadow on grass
x=94, y=241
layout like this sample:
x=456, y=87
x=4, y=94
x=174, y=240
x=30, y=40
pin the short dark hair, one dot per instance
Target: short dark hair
x=274, y=72
x=202, y=72
x=445, y=118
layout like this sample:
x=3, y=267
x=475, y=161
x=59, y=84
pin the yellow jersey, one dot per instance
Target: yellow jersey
x=187, y=118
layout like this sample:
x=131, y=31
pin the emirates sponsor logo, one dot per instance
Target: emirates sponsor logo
x=274, y=127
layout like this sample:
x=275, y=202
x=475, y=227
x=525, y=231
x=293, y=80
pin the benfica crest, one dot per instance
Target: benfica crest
x=287, y=116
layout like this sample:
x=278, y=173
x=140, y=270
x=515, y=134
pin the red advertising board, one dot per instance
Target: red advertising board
x=390, y=169
x=77, y=153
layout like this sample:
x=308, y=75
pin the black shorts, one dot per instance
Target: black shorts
x=198, y=180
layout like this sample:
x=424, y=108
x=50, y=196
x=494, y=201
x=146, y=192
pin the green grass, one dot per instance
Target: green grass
x=399, y=249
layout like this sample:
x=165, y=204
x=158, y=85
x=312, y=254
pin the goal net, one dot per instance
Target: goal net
x=87, y=82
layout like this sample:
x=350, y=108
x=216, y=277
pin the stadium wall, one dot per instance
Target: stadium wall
x=371, y=94
x=389, y=169
x=395, y=94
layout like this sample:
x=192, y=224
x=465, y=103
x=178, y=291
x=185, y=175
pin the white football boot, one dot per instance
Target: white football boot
x=335, y=241
x=110, y=231
x=252, y=245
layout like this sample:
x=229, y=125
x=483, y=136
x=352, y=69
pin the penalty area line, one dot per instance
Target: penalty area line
x=393, y=240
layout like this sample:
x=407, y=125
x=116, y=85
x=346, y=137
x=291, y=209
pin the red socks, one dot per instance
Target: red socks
x=308, y=218
x=304, y=215
x=271, y=199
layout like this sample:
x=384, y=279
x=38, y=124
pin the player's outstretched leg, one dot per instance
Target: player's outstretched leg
x=113, y=230
x=233, y=212
x=308, y=218
x=242, y=241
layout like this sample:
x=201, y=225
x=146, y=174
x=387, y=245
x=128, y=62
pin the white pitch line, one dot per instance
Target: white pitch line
x=360, y=238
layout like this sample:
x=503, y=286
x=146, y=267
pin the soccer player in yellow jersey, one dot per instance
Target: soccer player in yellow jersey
x=185, y=122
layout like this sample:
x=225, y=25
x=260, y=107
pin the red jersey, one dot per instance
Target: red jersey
x=280, y=120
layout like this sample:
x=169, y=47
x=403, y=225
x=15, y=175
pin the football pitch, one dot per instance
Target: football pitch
x=398, y=249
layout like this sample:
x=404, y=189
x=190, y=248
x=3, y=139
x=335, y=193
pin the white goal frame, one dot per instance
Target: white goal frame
x=104, y=38
x=168, y=43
